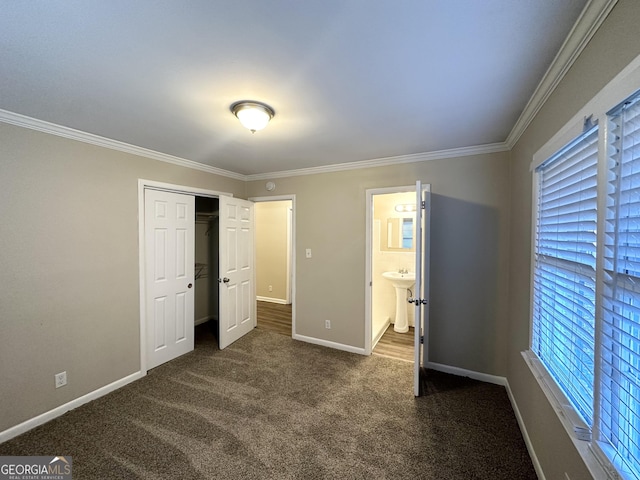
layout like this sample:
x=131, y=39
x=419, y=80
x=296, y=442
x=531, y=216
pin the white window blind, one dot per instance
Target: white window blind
x=565, y=269
x=619, y=400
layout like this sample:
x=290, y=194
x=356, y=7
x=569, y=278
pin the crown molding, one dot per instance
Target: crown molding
x=73, y=134
x=386, y=161
x=592, y=16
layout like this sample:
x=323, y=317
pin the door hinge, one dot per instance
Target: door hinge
x=421, y=339
x=417, y=301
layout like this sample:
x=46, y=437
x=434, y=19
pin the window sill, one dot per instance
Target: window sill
x=577, y=429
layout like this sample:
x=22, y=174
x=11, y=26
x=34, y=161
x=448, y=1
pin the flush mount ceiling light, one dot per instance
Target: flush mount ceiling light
x=253, y=115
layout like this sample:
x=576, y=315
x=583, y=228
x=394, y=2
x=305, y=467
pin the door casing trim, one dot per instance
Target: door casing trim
x=369, y=257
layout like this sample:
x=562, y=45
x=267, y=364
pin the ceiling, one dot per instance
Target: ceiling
x=349, y=80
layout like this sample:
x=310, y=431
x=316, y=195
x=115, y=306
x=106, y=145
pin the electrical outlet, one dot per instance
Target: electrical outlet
x=327, y=324
x=61, y=379
x=308, y=253
x=271, y=288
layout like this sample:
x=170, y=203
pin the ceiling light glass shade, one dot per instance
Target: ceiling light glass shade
x=253, y=116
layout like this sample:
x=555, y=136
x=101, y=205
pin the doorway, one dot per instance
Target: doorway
x=275, y=263
x=207, y=247
x=399, y=226
x=391, y=241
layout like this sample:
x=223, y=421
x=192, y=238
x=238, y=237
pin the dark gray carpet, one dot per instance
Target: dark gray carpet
x=269, y=407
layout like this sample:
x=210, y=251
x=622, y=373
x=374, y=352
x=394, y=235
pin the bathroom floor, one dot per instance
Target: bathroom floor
x=395, y=345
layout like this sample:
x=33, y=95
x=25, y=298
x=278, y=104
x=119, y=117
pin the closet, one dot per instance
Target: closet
x=206, y=261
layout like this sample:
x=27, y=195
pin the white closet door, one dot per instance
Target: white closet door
x=169, y=271
x=237, y=270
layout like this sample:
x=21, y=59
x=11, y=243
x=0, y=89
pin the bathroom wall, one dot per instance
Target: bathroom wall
x=385, y=259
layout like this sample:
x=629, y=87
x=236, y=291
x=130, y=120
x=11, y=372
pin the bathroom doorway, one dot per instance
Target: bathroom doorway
x=391, y=252
x=275, y=263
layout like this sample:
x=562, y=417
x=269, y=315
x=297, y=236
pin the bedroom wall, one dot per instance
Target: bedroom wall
x=69, y=265
x=69, y=260
x=470, y=210
x=614, y=45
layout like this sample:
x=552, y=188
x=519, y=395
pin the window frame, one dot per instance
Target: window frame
x=624, y=85
x=557, y=259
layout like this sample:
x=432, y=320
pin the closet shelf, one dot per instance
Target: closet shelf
x=206, y=216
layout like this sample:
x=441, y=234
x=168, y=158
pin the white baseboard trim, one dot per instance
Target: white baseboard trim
x=461, y=372
x=271, y=300
x=525, y=435
x=62, y=409
x=378, y=336
x=201, y=320
x=484, y=377
x=327, y=343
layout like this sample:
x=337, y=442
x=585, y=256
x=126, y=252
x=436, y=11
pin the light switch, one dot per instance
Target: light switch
x=308, y=253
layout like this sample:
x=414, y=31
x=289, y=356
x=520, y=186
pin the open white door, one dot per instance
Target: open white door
x=169, y=269
x=421, y=299
x=237, y=272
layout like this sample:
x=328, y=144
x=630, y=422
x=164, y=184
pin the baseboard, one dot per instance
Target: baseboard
x=271, y=300
x=379, y=335
x=62, y=409
x=202, y=320
x=525, y=435
x=484, y=377
x=461, y=372
x=327, y=343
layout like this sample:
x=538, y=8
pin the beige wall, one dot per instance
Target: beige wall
x=69, y=265
x=469, y=254
x=611, y=49
x=70, y=260
x=271, y=248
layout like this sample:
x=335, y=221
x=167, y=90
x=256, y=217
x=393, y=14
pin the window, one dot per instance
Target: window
x=407, y=233
x=565, y=269
x=586, y=284
x=619, y=416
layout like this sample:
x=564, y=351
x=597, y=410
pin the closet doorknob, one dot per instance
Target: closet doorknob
x=190, y=285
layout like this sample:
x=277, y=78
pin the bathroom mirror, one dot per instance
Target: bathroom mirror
x=400, y=233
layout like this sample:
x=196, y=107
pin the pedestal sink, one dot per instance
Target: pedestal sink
x=401, y=282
